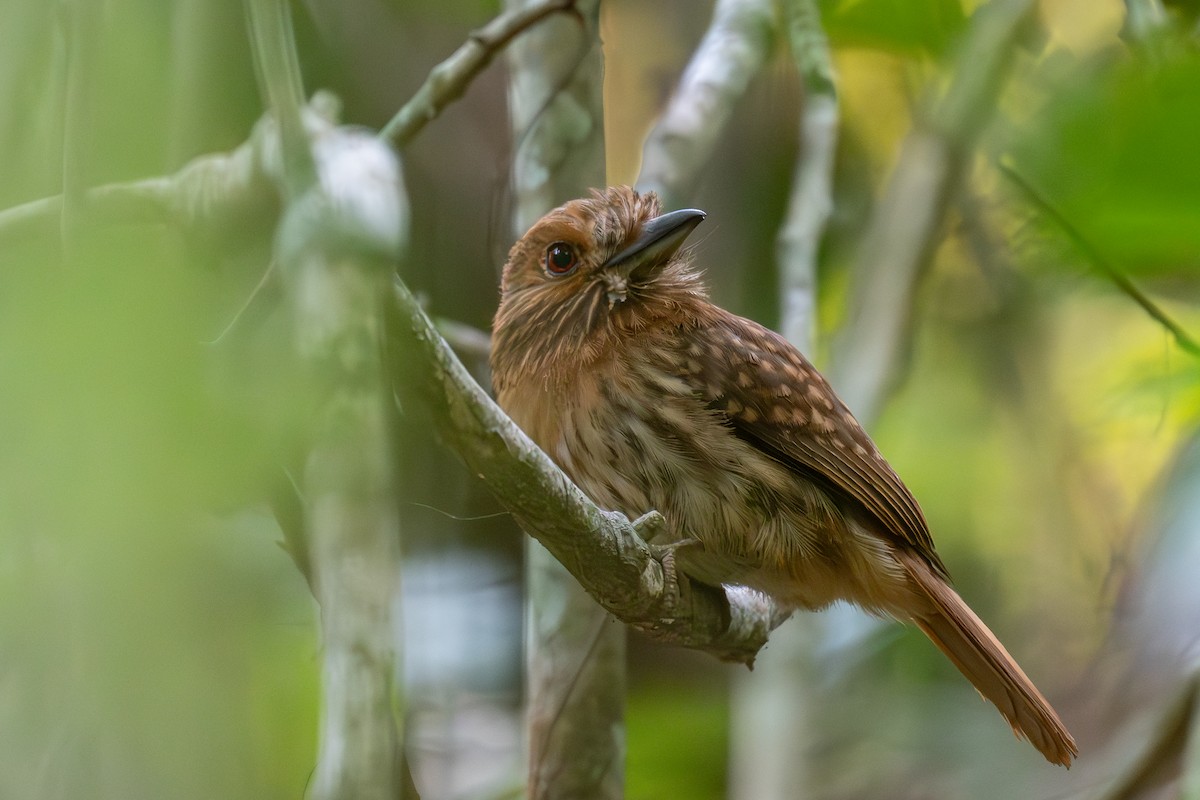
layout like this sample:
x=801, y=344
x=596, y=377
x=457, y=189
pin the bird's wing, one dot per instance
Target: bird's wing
x=777, y=401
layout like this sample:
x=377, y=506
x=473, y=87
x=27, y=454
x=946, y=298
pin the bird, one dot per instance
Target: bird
x=609, y=353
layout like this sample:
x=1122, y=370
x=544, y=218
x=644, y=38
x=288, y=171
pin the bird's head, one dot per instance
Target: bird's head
x=594, y=268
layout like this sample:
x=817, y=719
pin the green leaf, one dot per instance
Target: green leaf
x=911, y=26
x=1118, y=153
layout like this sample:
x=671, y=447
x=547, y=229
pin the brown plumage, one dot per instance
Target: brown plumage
x=609, y=354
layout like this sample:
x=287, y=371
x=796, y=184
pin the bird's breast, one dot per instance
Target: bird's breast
x=635, y=435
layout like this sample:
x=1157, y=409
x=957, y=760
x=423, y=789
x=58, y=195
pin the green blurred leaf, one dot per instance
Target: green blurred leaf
x=678, y=739
x=1116, y=153
x=925, y=26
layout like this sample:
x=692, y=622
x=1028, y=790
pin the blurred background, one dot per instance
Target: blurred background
x=156, y=642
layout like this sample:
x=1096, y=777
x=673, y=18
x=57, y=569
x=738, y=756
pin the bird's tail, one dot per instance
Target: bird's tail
x=978, y=654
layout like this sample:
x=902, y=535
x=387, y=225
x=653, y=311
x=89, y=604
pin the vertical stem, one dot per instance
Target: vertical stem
x=811, y=199
x=204, y=42
x=575, y=663
x=336, y=268
x=356, y=563
x=575, y=651
x=557, y=72
x=336, y=248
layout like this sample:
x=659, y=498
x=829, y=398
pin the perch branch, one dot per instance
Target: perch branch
x=603, y=550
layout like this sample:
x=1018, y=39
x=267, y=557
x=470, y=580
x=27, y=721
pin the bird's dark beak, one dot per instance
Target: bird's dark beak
x=660, y=238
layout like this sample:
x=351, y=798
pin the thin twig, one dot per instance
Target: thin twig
x=1106, y=267
x=134, y=202
x=449, y=79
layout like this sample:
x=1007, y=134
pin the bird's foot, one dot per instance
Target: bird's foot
x=664, y=554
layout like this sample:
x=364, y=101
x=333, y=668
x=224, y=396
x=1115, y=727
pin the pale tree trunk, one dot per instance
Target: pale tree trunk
x=575, y=650
x=343, y=226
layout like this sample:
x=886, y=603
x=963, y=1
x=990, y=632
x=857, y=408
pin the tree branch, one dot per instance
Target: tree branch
x=220, y=192
x=214, y=195
x=449, y=79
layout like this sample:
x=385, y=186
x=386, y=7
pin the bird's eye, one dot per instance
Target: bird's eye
x=560, y=259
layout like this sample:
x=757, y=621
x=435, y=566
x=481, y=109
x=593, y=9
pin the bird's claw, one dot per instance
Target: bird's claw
x=650, y=525
x=664, y=554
